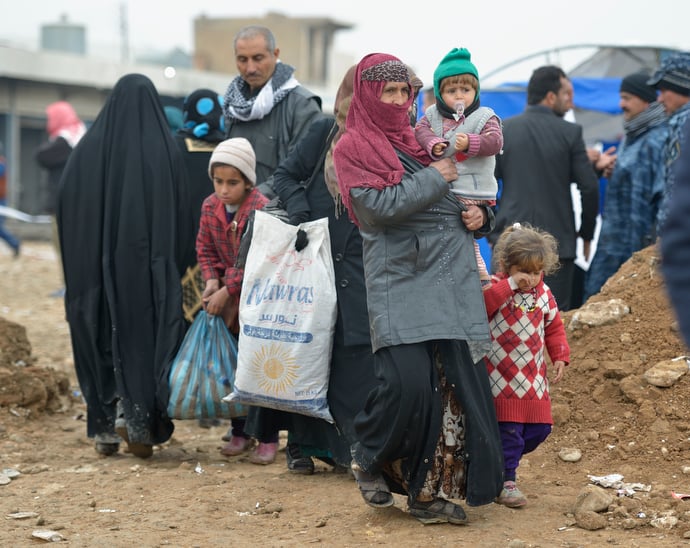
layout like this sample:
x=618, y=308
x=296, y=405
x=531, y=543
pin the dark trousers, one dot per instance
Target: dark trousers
x=398, y=413
x=518, y=439
x=561, y=283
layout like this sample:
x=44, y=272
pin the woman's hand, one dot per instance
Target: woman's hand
x=474, y=218
x=446, y=167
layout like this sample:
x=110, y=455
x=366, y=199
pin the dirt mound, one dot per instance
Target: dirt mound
x=604, y=388
x=22, y=385
x=15, y=348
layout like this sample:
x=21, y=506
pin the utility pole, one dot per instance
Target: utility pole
x=124, y=33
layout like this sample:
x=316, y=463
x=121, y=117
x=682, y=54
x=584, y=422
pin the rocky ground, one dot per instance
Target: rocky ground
x=617, y=411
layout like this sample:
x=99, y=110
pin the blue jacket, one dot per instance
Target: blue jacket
x=674, y=144
x=675, y=241
x=632, y=202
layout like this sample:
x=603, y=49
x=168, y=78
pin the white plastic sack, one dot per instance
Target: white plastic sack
x=287, y=319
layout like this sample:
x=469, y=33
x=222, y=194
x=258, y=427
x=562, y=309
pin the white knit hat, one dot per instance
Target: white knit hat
x=238, y=153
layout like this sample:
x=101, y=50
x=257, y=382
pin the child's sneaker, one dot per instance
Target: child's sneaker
x=511, y=496
x=265, y=453
x=236, y=446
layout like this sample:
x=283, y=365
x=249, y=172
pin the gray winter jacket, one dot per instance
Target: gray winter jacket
x=419, y=263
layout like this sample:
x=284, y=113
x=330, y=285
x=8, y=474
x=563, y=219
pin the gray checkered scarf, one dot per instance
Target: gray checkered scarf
x=653, y=115
x=236, y=105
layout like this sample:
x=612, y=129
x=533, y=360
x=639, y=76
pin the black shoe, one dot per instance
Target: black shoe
x=141, y=450
x=107, y=444
x=107, y=449
x=297, y=462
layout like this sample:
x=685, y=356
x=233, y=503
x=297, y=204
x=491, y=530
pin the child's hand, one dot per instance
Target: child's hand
x=217, y=302
x=523, y=280
x=559, y=365
x=438, y=148
x=212, y=286
x=462, y=142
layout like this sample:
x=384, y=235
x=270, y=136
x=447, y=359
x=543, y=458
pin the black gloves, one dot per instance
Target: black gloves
x=301, y=241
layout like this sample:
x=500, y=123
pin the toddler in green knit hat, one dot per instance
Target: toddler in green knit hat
x=458, y=127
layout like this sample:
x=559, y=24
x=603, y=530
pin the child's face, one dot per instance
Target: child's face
x=455, y=93
x=230, y=186
x=526, y=281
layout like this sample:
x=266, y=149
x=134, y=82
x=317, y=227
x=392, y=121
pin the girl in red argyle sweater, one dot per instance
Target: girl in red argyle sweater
x=524, y=321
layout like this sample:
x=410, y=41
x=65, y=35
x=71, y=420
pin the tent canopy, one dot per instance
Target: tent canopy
x=596, y=82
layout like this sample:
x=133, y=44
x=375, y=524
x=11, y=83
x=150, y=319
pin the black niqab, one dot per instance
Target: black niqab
x=125, y=228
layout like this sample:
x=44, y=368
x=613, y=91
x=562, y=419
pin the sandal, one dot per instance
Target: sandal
x=373, y=488
x=437, y=511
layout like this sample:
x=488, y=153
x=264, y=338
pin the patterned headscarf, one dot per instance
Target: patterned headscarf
x=62, y=121
x=365, y=155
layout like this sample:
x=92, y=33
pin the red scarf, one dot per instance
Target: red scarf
x=365, y=155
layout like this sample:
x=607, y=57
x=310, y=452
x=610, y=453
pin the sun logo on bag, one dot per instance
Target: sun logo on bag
x=275, y=369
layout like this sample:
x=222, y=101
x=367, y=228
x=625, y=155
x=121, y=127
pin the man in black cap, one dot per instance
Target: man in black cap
x=636, y=185
x=672, y=79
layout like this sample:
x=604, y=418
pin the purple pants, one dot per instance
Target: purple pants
x=519, y=439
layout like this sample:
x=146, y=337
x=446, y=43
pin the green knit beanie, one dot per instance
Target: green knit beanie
x=456, y=62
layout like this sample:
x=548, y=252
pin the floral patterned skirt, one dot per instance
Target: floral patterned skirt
x=446, y=477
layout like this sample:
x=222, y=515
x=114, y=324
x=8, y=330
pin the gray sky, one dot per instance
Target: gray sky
x=495, y=31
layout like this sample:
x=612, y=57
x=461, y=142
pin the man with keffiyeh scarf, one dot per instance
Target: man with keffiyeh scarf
x=266, y=105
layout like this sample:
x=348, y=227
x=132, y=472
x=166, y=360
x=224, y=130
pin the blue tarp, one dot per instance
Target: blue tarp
x=598, y=94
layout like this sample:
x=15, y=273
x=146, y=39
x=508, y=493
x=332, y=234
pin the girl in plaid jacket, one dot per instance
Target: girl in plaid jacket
x=224, y=215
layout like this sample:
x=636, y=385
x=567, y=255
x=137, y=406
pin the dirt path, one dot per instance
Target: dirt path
x=187, y=494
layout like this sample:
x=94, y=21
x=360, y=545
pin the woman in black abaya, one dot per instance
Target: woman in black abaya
x=125, y=228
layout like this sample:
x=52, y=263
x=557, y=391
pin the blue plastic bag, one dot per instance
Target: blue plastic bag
x=203, y=372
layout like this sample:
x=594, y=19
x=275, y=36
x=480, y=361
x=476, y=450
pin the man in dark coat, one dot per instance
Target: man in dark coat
x=542, y=155
x=266, y=105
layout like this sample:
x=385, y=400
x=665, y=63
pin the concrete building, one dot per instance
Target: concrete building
x=304, y=43
x=30, y=80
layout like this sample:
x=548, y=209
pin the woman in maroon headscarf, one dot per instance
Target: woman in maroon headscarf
x=428, y=429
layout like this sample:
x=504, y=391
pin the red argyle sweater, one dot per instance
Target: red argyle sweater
x=522, y=325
